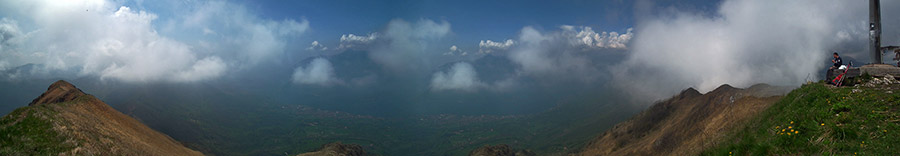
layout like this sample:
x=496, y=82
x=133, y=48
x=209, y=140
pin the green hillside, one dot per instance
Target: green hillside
x=819, y=119
x=29, y=130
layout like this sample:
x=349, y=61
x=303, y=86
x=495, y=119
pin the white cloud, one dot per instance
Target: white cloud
x=552, y=55
x=461, y=76
x=408, y=46
x=10, y=33
x=315, y=45
x=488, y=46
x=207, y=31
x=4, y=65
x=110, y=43
x=454, y=50
x=207, y=68
x=589, y=39
x=319, y=72
x=104, y=39
x=745, y=42
x=243, y=37
x=351, y=41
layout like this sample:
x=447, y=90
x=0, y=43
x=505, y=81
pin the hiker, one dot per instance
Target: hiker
x=897, y=51
x=838, y=63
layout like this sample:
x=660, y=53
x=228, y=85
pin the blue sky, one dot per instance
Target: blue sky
x=479, y=16
x=471, y=21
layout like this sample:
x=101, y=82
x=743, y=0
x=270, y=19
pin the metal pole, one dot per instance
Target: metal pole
x=875, y=30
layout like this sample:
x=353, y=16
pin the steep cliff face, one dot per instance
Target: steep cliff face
x=66, y=121
x=685, y=124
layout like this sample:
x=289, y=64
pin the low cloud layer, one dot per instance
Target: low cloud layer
x=743, y=43
x=461, y=76
x=409, y=46
x=115, y=42
x=563, y=54
x=318, y=72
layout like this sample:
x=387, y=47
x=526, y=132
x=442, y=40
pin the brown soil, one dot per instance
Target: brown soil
x=685, y=124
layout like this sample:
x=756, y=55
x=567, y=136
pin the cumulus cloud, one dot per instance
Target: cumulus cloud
x=553, y=54
x=318, y=72
x=315, y=45
x=743, y=43
x=351, y=41
x=454, y=50
x=488, y=46
x=586, y=37
x=10, y=33
x=110, y=41
x=461, y=76
x=243, y=37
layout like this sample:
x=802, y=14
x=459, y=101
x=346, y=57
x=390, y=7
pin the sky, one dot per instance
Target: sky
x=648, y=49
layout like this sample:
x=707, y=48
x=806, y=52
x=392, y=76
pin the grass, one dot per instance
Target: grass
x=28, y=131
x=820, y=120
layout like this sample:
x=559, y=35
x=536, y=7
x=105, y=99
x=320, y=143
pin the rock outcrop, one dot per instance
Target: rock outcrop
x=499, y=150
x=338, y=149
x=59, y=91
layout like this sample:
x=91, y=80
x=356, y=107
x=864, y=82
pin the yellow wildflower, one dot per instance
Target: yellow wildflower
x=782, y=130
x=792, y=122
x=823, y=124
x=795, y=132
x=789, y=127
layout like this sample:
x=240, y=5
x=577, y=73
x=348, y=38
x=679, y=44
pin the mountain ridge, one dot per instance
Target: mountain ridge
x=686, y=123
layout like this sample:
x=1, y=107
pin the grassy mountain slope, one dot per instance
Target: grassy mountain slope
x=818, y=119
x=66, y=121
